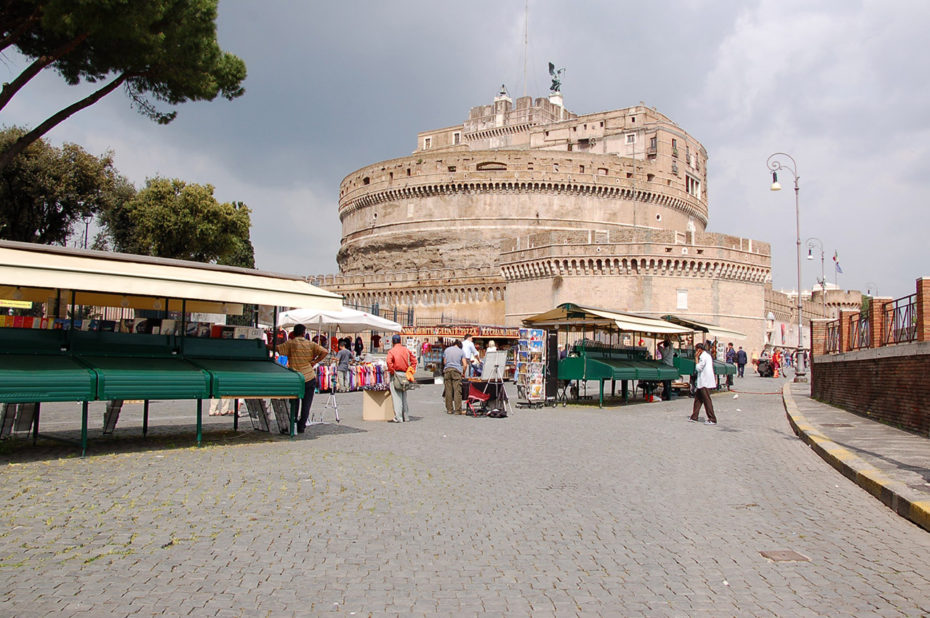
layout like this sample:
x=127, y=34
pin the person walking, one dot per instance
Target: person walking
x=399, y=360
x=740, y=362
x=730, y=357
x=342, y=367
x=303, y=356
x=704, y=368
x=453, y=368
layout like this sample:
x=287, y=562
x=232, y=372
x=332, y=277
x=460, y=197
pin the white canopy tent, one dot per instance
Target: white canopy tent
x=346, y=321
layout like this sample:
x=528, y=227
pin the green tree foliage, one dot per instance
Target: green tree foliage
x=173, y=219
x=161, y=51
x=46, y=190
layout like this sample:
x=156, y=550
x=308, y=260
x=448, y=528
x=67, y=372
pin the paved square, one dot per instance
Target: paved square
x=566, y=511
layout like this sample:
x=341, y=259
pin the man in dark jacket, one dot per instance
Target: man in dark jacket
x=740, y=361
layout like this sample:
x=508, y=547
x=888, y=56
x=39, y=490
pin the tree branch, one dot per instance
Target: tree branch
x=33, y=69
x=23, y=142
x=16, y=33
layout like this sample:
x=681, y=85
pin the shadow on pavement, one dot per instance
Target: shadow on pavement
x=66, y=444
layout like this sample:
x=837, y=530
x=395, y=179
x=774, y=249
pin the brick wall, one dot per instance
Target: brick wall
x=888, y=384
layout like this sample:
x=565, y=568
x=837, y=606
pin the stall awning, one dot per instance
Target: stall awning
x=570, y=314
x=710, y=329
x=36, y=272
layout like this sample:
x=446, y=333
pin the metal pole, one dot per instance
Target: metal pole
x=799, y=360
x=823, y=284
x=774, y=166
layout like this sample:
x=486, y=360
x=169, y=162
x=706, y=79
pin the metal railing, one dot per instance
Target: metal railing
x=900, y=320
x=404, y=317
x=833, y=337
x=860, y=335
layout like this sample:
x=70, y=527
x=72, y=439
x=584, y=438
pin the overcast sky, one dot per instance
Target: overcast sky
x=843, y=86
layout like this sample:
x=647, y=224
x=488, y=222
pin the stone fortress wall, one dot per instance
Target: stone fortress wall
x=525, y=206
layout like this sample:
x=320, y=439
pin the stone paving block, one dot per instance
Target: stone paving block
x=574, y=511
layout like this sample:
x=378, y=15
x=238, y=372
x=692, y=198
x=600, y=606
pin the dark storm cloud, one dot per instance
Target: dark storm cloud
x=336, y=86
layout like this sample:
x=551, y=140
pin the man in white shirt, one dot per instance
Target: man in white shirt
x=704, y=367
x=471, y=355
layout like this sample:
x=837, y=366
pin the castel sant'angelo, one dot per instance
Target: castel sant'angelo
x=527, y=205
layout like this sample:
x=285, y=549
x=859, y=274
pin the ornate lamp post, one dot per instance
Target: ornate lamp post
x=774, y=165
x=811, y=242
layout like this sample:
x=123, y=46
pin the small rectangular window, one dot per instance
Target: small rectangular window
x=682, y=299
x=456, y=138
x=631, y=138
x=427, y=143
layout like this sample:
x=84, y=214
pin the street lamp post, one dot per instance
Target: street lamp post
x=774, y=165
x=87, y=219
x=813, y=240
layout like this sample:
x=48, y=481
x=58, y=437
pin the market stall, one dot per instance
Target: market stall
x=363, y=374
x=605, y=347
x=437, y=337
x=704, y=332
x=60, y=357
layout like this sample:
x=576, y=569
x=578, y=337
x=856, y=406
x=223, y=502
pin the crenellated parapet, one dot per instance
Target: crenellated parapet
x=636, y=253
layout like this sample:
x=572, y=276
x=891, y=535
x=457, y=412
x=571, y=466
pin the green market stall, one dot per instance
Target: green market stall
x=41, y=363
x=600, y=353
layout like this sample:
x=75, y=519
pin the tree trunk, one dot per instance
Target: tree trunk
x=23, y=142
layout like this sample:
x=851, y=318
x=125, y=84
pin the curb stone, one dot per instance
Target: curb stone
x=855, y=469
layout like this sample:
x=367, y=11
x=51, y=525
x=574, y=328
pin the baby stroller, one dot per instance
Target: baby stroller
x=765, y=369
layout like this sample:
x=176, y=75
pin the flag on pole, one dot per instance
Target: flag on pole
x=836, y=262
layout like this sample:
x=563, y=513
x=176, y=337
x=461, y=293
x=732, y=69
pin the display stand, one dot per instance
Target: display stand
x=493, y=373
x=531, y=368
x=260, y=415
x=330, y=403
x=282, y=413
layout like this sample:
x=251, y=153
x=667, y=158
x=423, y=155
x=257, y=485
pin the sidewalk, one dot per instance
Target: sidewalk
x=891, y=464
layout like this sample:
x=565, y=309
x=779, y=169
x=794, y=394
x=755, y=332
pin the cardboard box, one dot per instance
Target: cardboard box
x=377, y=406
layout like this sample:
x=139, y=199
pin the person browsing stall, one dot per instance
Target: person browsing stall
x=471, y=355
x=342, y=366
x=667, y=355
x=453, y=367
x=303, y=355
x=399, y=361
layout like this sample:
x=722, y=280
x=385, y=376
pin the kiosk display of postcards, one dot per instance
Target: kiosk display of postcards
x=531, y=364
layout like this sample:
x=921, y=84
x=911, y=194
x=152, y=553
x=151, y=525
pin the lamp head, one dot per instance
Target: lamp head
x=775, y=185
x=810, y=255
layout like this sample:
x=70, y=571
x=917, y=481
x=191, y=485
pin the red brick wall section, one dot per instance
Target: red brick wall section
x=876, y=321
x=923, y=309
x=844, y=329
x=894, y=390
x=818, y=337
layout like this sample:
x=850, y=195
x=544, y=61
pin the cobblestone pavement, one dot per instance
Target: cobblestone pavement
x=570, y=511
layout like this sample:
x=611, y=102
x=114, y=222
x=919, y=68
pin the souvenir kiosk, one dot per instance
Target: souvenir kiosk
x=598, y=350
x=367, y=376
x=685, y=361
x=54, y=360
